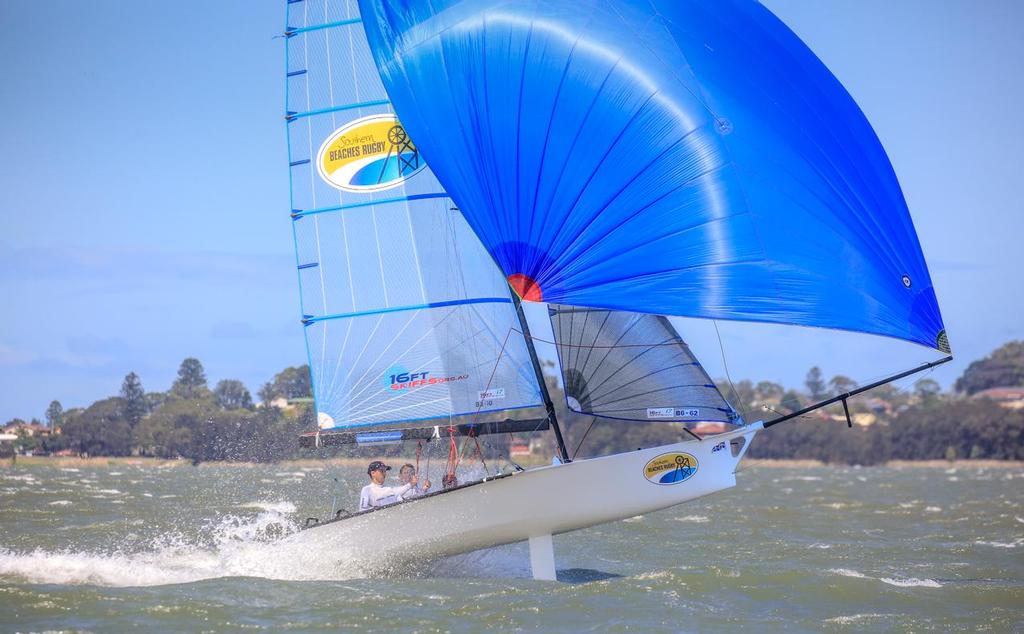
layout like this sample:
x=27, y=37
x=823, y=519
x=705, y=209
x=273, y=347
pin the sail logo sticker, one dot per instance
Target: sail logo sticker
x=670, y=468
x=673, y=412
x=368, y=155
x=398, y=378
x=492, y=394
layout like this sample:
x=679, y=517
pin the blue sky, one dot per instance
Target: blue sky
x=144, y=196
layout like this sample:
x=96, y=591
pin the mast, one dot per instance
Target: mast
x=548, y=404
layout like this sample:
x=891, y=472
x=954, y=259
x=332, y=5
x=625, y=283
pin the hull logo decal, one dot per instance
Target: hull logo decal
x=670, y=468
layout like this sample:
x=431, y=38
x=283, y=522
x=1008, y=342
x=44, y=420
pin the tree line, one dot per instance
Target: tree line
x=192, y=421
x=922, y=423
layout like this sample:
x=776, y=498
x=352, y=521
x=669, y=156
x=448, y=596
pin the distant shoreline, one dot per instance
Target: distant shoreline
x=162, y=463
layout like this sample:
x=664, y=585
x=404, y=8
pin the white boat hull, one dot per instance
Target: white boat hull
x=530, y=504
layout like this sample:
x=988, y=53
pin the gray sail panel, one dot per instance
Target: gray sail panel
x=633, y=366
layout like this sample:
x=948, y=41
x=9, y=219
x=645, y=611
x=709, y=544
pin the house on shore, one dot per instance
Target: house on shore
x=1008, y=397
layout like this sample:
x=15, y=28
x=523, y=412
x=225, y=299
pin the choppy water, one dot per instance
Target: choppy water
x=184, y=548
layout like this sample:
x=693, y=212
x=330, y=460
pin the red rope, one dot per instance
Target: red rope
x=480, y=452
x=453, y=453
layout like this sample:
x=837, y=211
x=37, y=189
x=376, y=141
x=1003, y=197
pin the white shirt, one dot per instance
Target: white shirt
x=374, y=494
x=413, y=492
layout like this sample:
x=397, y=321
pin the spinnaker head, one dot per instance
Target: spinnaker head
x=664, y=156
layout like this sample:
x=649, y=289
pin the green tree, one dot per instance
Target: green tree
x=232, y=394
x=100, y=430
x=1003, y=368
x=135, y=405
x=55, y=414
x=291, y=382
x=156, y=399
x=25, y=442
x=191, y=381
x=841, y=384
x=769, y=391
x=927, y=391
x=815, y=384
x=741, y=394
x=792, y=401
x=159, y=436
x=172, y=429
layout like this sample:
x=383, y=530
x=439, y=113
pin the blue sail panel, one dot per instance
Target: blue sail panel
x=406, y=315
x=675, y=157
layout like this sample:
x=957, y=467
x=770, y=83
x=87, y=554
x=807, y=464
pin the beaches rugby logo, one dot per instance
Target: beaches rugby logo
x=670, y=468
x=369, y=154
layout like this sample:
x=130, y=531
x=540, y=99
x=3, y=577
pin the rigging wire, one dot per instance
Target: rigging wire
x=593, y=419
x=728, y=377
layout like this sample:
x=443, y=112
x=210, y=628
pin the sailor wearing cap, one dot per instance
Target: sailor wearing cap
x=376, y=494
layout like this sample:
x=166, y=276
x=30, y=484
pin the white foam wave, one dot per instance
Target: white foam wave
x=697, y=519
x=283, y=508
x=235, y=547
x=846, y=572
x=902, y=583
x=933, y=509
x=1015, y=543
x=19, y=478
x=854, y=618
x=60, y=503
x=913, y=582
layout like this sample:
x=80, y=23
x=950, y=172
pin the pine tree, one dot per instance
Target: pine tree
x=191, y=381
x=815, y=384
x=55, y=415
x=135, y=405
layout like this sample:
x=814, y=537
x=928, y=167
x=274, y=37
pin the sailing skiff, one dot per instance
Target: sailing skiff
x=457, y=164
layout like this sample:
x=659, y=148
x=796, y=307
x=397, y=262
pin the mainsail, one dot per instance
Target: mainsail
x=674, y=157
x=406, y=316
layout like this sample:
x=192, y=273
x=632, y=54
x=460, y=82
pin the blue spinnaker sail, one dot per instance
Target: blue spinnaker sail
x=406, y=316
x=678, y=157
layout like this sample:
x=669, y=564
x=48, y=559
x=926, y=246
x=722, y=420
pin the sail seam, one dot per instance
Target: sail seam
x=411, y=420
x=398, y=309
